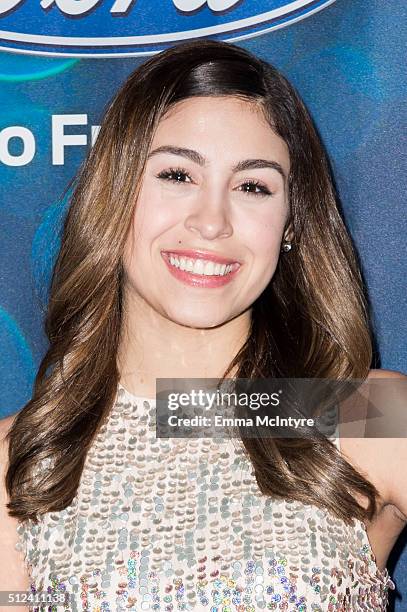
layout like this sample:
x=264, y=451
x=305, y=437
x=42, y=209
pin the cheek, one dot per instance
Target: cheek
x=263, y=238
x=153, y=215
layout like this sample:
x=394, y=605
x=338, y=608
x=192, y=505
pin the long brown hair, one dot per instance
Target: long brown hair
x=311, y=321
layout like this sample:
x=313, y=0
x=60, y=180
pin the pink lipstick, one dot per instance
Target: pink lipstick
x=201, y=268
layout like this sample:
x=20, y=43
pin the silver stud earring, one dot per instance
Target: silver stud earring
x=286, y=246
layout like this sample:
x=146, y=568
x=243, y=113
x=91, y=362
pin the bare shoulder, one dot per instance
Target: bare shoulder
x=377, y=373
x=381, y=459
x=13, y=574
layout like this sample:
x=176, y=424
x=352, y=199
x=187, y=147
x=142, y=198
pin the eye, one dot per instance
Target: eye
x=180, y=175
x=255, y=188
x=174, y=175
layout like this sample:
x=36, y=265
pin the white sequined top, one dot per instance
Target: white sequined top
x=180, y=524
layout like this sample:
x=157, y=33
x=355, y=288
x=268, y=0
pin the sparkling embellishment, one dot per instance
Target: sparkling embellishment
x=178, y=524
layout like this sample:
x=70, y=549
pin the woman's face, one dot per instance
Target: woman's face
x=209, y=219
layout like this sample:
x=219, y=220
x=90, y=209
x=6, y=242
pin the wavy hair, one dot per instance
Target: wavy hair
x=310, y=322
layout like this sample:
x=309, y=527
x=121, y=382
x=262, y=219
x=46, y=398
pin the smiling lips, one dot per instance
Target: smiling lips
x=200, y=268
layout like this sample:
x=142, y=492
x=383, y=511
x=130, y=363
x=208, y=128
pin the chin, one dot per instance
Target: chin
x=198, y=320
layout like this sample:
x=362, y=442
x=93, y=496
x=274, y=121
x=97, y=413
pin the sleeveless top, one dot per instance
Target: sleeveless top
x=180, y=524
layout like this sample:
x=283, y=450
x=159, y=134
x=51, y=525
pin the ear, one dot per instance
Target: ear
x=288, y=233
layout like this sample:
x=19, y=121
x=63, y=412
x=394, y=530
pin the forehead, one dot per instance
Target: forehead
x=196, y=109
x=220, y=124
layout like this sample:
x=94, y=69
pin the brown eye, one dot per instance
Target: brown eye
x=175, y=175
x=255, y=188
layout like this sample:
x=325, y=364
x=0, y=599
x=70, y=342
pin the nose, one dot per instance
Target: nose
x=210, y=218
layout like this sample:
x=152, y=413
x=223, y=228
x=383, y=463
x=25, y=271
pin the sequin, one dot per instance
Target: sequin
x=177, y=524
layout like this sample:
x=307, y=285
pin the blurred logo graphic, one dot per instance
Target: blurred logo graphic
x=107, y=28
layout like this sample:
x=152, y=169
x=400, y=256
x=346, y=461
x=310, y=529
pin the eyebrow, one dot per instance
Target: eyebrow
x=197, y=158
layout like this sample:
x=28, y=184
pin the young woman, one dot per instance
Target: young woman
x=202, y=240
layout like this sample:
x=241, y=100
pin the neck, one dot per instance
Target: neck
x=153, y=346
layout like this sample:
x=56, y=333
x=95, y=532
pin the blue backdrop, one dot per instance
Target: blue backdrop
x=344, y=58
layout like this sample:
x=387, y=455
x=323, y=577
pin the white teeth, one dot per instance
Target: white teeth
x=190, y=265
x=209, y=268
x=200, y=266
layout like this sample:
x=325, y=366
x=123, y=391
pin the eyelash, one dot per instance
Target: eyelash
x=168, y=175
